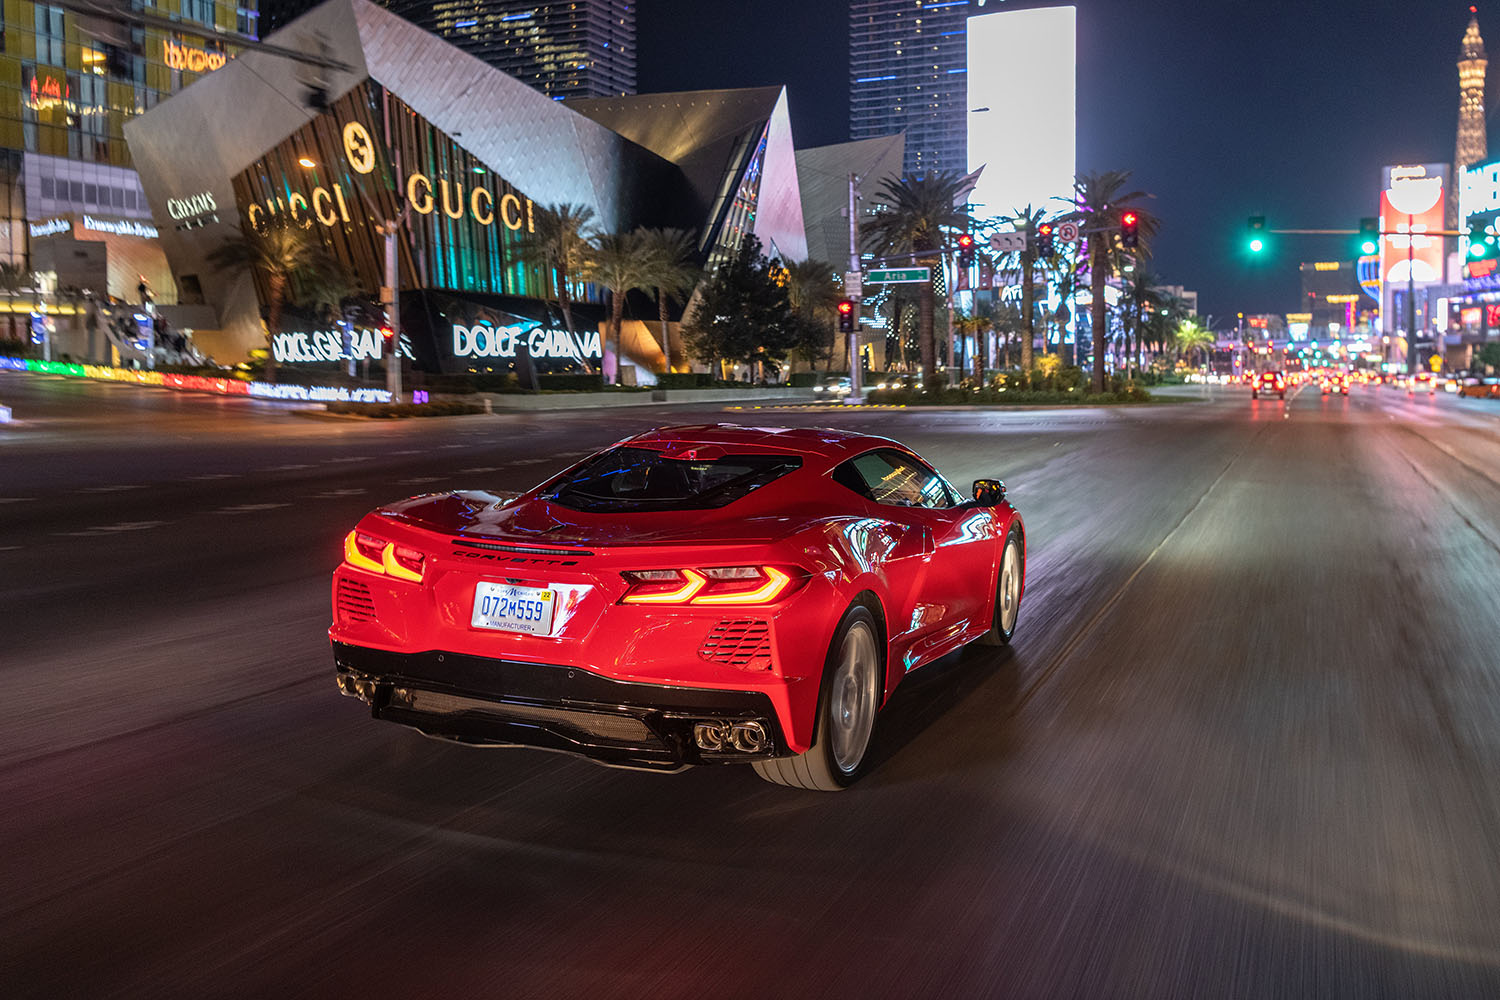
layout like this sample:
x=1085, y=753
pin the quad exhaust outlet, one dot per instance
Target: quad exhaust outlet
x=726, y=735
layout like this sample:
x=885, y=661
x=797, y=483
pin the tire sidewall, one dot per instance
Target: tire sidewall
x=822, y=746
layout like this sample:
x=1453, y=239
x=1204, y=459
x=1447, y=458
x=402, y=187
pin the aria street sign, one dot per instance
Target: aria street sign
x=1008, y=242
x=897, y=275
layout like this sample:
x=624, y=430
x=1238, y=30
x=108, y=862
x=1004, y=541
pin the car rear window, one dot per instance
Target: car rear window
x=640, y=479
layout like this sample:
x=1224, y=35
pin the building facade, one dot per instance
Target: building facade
x=581, y=48
x=908, y=61
x=464, y=159
x=72, y=210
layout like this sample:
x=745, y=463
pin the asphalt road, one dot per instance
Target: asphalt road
x=1246, y=743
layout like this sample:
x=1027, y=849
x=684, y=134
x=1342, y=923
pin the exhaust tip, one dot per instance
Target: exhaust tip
x=721, y=735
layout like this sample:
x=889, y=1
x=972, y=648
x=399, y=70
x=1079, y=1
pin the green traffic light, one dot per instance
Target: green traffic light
x=1257, y=245
x=1369, y=247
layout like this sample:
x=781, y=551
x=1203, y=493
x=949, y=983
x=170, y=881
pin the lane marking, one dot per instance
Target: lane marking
x=16, y=499
x=109, y=489
x=206, y=477
x=419, y=480
x=285, y=468
x=335, y=494
x=109, y=529
x=481, y=469
x=250, y=508
x=1114, y=598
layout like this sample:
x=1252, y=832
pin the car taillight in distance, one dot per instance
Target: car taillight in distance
x=718, y=585
x=375, y=555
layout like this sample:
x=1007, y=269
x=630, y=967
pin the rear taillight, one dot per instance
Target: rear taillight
x=718, y=585
x=376, y=555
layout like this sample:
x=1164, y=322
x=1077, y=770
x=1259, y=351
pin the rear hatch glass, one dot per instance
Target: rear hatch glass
x=645, y=479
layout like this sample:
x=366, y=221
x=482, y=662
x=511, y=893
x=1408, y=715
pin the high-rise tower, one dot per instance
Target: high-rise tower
x=1473, y=145
x=579, y=48
x=907, y=66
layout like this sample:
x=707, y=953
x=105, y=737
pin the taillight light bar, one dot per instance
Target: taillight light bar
x=375, y=555
x=719, y=585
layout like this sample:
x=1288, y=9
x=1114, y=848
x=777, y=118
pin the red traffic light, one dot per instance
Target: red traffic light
x=846, y=307
x=1129, y=219
x=1045, y=229
x=965, y=241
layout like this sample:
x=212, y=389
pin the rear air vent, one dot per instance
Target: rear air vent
x=739, y=642
x=355, y=603
x=522, y=549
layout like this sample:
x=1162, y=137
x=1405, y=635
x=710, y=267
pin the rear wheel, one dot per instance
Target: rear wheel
x=1007, y=591
x=847, y=706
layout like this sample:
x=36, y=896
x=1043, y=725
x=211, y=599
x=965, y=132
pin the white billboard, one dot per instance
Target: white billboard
x=1023, y=89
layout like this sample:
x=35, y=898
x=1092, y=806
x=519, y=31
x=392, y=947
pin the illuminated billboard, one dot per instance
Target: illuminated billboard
x=1412, y=200
x=1022, y=108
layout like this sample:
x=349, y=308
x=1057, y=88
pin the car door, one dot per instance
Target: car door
x=945, y=553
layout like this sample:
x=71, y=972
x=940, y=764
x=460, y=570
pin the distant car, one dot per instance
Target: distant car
x=1268, y=382
x=835, y=387
x=691, y=595
x=1422, y=382
x=1335, y=382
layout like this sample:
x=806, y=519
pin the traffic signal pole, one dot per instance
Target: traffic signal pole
x=855, y=389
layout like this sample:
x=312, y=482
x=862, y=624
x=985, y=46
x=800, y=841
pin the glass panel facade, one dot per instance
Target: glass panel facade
x=373, y=158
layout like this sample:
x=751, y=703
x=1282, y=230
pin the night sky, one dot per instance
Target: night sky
x=1222, y=110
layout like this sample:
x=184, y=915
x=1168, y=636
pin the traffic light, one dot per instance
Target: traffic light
x=846, y=316
x=387, y=342
x=1482, y=242
x=1369, y=236
x=1257, y=229
x=965, y=250
x=1130, y=230
x=1044, y=239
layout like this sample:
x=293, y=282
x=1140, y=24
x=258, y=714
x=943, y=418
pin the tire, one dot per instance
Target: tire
x=1008, y=579
x=847, y=706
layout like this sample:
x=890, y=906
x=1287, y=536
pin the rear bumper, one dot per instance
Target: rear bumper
x=494, y=702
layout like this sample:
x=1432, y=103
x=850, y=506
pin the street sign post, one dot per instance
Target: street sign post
x=1008, y=242
x=897, y=275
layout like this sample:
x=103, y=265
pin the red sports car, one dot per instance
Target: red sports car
x=691, y=595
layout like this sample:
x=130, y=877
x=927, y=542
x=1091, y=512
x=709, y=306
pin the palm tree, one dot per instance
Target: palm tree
x=1099, y=199
x=618, y=261
x=814, y=288
x=559, y=249
x=919, y=214
x=1193, y=337
x=1025, y=220
x=671, y=257
x=1139, y=301
x=281, y=256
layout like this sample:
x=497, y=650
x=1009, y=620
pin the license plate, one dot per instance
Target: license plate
x=513, y=609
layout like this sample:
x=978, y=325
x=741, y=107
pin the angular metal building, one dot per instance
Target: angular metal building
x=462, y=158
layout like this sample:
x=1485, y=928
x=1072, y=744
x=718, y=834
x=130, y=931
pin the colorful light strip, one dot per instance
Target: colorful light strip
x=199, y=383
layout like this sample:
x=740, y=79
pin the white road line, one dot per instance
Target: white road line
x=16, y=499
x=109, y=489
x=477, y=470
x=351, y=458
x=419, y=480
x=335, y=494
x=9, y=548
x=286, y=468
x=250, y=508
x=209, y=476
x=111, y=529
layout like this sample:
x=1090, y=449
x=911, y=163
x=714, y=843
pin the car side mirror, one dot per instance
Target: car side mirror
x=988, y=492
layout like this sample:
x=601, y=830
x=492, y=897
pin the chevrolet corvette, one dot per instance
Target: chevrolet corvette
x=691, y=595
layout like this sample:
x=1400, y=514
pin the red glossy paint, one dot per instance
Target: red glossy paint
x=930, y=574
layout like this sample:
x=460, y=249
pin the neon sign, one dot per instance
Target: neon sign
x=328, y=345
x=194, y=60
x=197, y=204
x=483, y=341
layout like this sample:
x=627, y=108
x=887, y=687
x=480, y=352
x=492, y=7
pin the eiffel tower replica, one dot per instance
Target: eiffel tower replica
x=1473, y=144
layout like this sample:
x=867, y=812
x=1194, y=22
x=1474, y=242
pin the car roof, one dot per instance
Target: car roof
x=827, y=442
